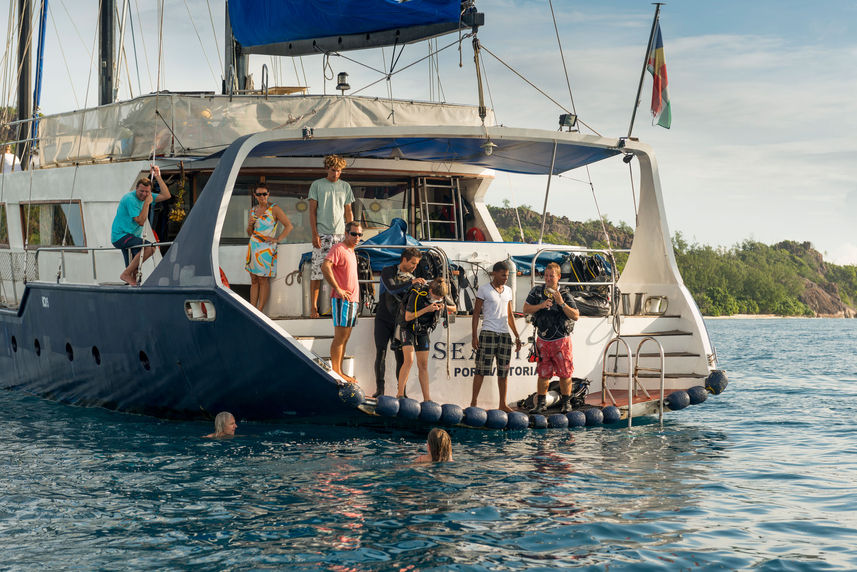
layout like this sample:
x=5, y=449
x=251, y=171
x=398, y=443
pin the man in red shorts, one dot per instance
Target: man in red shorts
x=554, y=313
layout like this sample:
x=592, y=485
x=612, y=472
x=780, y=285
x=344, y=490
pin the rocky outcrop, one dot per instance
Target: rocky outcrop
x=825, y=301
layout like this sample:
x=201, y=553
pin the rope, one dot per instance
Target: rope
x=198, y=37
x=488, y=86
x=406, y=67
x=564, y=66
x=136, y=58
x=143, y=41
x=64, y=59
x=558, y=104
x=79, y=144
x=216, y=43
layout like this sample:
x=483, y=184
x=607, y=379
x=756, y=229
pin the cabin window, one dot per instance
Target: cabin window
x=52, y=224
x=4, y=227
x=376, y=204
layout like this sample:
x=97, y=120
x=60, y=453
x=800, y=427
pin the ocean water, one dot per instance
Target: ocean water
x=762, y=477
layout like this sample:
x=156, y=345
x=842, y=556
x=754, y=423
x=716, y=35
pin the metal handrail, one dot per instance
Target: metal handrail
x=534, y=280
x=605, y=374
x=91, y=249
x=445, y=260
x=638, y=369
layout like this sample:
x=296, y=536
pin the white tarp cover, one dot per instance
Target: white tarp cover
x=201, y=125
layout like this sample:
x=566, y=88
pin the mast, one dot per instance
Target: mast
x=40, y=53
x=645, y=63
x=235, y=62
x=105, y=52
x=25, y=105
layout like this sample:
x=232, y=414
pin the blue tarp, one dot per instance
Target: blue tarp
x=261, y=22
x=380, y=258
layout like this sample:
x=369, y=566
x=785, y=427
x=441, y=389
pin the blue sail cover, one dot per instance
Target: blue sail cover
x=263, y=22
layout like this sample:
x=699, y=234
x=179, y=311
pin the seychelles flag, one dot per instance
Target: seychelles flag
x=657, y=66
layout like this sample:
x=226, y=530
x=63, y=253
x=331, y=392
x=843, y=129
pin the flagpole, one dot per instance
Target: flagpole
x=645, y=63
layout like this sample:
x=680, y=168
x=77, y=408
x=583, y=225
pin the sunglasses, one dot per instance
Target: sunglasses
x=261, y=194
x=356, y=233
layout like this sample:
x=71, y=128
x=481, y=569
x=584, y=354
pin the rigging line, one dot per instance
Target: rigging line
x=598, y=209
x=558, y=104
x=303, y=69
x=158, y=113
x=136, y=57
x=488, y=86
x=7, y=55
x=128, y=73
x=633, y=194
x=145, y=50
x=437, y=70
x=198, y=37
x=564, y=66
x=64, y=59
x=367, y=66
x=73, y=25
x=407, y=66
x=158, y=77
x=295, y=65
x=216, y=43
x=79, y=136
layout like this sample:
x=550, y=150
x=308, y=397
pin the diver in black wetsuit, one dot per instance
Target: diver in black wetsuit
x=396, y=280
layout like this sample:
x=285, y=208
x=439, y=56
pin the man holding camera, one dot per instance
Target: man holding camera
x=554, y=313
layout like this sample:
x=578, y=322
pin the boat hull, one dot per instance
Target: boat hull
x=136, y=350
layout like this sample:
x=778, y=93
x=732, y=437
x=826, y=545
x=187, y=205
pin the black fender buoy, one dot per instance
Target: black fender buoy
x=576, y=418
x=539, y=421
x=678, y=400
x=351, y=394
x=387, y=406
x=594, y=416
x=475, y=417
x=558, y=421
x=409, y=408
x=716, y=382
x=430, y=412
x=611, y=414
x=697, y=394
x=451, y=414
x=518, y=421
x=496, y=419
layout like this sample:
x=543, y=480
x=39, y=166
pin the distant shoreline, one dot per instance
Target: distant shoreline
x=769, y=317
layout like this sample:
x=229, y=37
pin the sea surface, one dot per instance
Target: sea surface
x=762, y=477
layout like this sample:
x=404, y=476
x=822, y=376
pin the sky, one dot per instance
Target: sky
x=764, y=97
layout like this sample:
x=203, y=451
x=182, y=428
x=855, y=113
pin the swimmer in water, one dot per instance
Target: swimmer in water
x=439, y=446
x=224, y=426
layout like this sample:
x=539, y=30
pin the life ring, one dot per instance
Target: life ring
x=223, y=278
x=474, y=235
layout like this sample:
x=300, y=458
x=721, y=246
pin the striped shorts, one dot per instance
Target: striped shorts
x=491, y=345
x=344, y=312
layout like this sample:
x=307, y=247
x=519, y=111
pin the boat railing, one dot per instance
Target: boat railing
x=611, y=284
x=63, y=250
x=421, y=248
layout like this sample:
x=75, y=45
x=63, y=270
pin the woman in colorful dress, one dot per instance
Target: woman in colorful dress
x=262, y=250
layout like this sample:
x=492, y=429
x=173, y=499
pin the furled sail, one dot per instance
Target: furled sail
x=299, y=27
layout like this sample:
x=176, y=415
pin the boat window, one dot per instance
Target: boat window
x=376, y=204
x=4, y=227
x=46, y=224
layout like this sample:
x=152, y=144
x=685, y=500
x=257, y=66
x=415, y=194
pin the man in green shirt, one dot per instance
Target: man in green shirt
x=329, y=210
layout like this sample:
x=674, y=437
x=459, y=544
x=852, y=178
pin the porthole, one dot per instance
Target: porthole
x=144, y=360
x=69, y=352
x=14, y=344
x=37, y=346
x=96, y=355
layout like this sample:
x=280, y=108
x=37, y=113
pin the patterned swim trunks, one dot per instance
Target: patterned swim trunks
x=555, y=358
x=319, y=254
x=491, y=345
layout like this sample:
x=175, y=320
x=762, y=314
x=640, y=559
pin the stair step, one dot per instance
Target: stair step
x=654, y=355
x=654, y=334
x=658, y=376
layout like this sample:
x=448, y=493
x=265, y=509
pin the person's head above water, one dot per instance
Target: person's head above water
x=439, y=445
x=224, y=425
